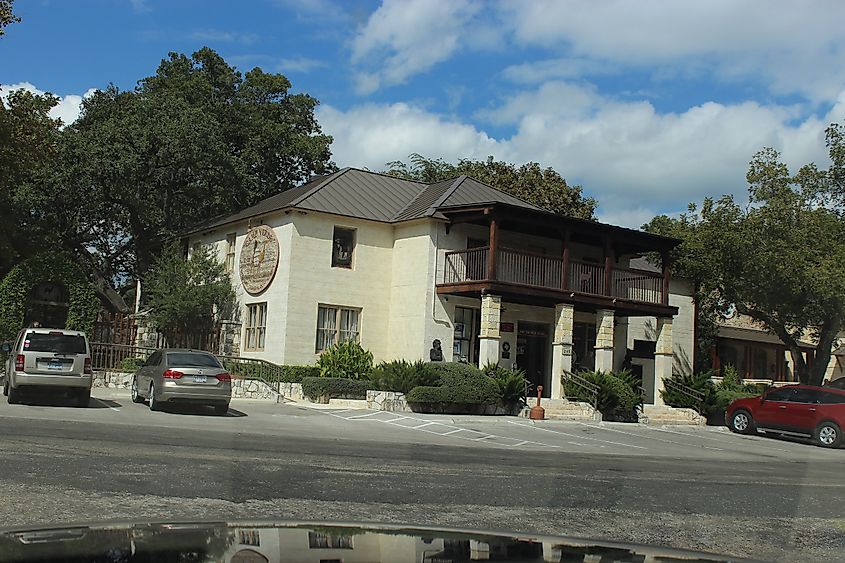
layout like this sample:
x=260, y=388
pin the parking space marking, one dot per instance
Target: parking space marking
x=115, y=409
x=738, y=438
x=578, y=437
x=634, y=434
x=431, y=426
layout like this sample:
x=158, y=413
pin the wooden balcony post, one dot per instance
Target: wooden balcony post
x=564, y=280
x=664, y=295
x=493, y=248
x=608, y=266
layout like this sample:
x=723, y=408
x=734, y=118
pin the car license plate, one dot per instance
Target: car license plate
x=54, y=365
x=200, y=378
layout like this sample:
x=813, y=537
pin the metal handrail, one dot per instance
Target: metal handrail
x=591, y=389
x=263, y=370
x=694, y=394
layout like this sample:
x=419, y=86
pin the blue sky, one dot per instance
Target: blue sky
x=648, y=104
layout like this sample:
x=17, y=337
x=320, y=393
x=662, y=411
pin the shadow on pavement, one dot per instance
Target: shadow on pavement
x=199, y=410
x=38, y=399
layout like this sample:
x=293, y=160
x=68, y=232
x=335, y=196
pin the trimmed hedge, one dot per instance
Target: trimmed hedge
x=289, y=374
x=321, y=389
x=463, y=388
x=402, y=376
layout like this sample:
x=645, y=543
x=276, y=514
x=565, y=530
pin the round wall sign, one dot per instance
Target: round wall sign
x=259, y=259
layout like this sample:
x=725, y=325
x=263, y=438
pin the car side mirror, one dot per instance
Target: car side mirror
x=6, y=347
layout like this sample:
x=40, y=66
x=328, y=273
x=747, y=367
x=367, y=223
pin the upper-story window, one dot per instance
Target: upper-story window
x=230, y=252
x=343, y=247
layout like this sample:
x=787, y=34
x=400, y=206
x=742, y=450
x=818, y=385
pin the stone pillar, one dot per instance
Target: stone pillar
x=663, y=358
x=620, y=342
x=604, y=340
x=561, y=347
x=489, y=336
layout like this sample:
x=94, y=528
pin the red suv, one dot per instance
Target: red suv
x=799, y=410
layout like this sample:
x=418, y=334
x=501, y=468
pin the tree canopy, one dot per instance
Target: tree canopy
x=543, y=187
x=6, y=15
x=778, y=258
x=194, y=141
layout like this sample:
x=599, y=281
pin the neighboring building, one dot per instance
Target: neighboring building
x=397, y=264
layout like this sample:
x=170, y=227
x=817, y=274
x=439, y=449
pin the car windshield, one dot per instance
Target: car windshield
x=57, y=343
x=191, y=359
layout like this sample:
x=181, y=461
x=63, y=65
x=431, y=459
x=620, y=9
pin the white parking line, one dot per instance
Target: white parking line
x=578, y=437
x=634, y=434
x=115, y=409
x=428, y=425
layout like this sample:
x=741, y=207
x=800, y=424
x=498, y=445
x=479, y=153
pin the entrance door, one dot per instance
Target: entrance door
x=531, y=357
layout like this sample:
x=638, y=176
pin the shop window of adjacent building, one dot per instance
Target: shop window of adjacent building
x=337, y=324
x=465, y=342
x=256, y=326
x=317, y=540
x=343, y=247
x=230, y=252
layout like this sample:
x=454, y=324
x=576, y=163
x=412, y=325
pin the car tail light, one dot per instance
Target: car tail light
x=173, y=374
x=224, y=377
x=87, y=365
x=19, y=362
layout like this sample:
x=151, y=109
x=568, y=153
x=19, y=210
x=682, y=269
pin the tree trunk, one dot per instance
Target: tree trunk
x=824, y=349
x=102, y=285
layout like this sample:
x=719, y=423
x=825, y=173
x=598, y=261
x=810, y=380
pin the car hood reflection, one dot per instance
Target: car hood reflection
x=270, y=542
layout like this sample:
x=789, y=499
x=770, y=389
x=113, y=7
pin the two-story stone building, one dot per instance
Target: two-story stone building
x=397, y=264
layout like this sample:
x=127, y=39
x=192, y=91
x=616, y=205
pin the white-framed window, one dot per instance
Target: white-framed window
x=337, y=324
x=343, y=247
x=230, y=252
x=256, y=326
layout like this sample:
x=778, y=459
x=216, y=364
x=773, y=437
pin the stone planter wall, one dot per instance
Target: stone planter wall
x=253, y=389
x=112, y=379
x=291, y=391
x=387, y=401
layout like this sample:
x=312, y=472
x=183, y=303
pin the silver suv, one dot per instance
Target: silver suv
x=49, y=357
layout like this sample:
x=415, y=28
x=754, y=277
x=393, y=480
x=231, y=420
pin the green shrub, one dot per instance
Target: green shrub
x=257, y=370
x=347, y=360
x=463, y=388
x=452, y=371
x=513, y=387
x=402, y=376
x=130, y=364
x=295, y=374
x=618, y=395
x=321, y=389
x=700, y=382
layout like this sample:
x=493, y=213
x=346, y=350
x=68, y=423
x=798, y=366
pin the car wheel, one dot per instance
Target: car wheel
x=828, y=435
x=221, y=409
x=154, y=403
x=83, y=397
x=136, y=397
x=741, y=422
x=14, y=395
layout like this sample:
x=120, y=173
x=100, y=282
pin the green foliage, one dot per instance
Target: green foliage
x=57, y=268
x=513, y=387
x=700, y=382
x=321, y=389
x=778, y=257
x=346, y=360
x=402, y=376
x=462, y=386
x=731, y=388
x=6, y=15
x=543, y=187
x=187, y=296
x=618, y=395
x=196, y=140
x=130, y=364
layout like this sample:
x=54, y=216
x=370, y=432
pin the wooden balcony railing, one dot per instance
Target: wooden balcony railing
x=537, y=270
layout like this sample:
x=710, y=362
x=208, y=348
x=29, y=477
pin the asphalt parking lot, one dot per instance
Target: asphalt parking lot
x=504, y=433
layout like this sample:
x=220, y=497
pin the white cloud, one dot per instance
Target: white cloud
x=537, y=72
x=300, y=64
x=636, y=161
x=406, y=37
x=67, y=108
x=793, y=46
x=219, y=36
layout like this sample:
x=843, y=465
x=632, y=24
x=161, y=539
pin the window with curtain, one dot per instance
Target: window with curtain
x=337, y=324
x=256, y=326
x=343, y=246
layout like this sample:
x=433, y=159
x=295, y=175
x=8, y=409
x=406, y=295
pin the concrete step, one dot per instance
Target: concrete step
x=659, y=414
x=561, y=409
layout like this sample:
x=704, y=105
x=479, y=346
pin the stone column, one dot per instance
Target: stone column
x=561, y=347
x=604, y=340
x=620, y=342
x=489, y=336
x=663, y=358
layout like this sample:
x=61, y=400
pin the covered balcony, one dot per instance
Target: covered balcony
x=542, y=279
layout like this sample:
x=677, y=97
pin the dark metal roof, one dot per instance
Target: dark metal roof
x=366, y=195
x=469, y=191
x=424, y=204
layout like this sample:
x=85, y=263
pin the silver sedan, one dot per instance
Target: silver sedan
x=175, y=375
